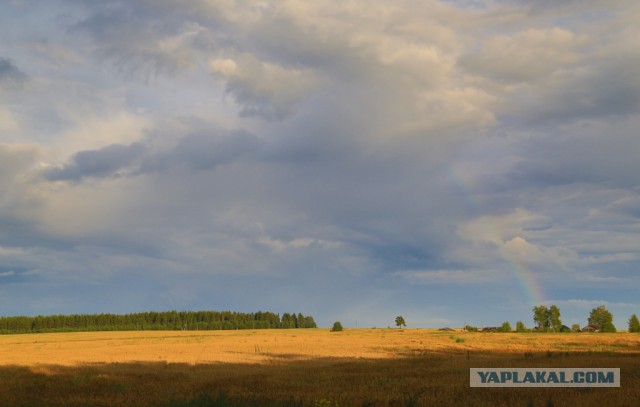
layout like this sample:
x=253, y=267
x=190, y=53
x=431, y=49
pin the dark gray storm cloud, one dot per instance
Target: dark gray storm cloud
x=201, y=152
x=97, y=163
x=193, y=152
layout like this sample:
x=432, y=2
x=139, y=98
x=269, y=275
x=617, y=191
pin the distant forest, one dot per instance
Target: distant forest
x=169, y=320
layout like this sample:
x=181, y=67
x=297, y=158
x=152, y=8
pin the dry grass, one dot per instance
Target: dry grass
x=302, y=367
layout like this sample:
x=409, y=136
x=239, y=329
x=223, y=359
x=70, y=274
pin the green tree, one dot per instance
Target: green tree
x=554, y=318
x=337, y=327
x=602, y=318
x=541, y=316
x=506, y=327
x=400, y=321
x=575, y=327
x=520, y=327
x=634, y=324
x=287, y=321
x=547, y=318
x=309, y=322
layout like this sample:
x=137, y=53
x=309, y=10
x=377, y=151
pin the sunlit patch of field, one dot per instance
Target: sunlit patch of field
x=302, y=367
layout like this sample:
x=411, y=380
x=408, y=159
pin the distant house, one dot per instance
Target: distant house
x=591, y=328
x=490, y=329
x=565, y=328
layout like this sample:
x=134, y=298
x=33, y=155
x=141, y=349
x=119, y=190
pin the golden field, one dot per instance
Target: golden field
x=303, y=367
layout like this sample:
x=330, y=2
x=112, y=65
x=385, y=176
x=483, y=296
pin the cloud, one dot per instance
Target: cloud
x=139, y=41
x=192, y=152
x=520, y=251
x=501, y=229
x=263, y=89
x=584, y=94
x=554, y=65
x=526, y=56
x=278, y=245
x=396, y=66
x=97, y=163
x=519, y=238
x=10, y=74
x=201, y=152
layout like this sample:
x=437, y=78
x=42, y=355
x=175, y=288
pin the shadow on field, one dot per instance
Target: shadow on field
x=424, y=380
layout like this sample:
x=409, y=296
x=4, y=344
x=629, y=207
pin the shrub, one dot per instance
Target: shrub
x=337, y=327
x=506, y=327
x=520, y=327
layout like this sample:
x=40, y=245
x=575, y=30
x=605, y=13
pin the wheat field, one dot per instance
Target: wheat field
x=302, y=367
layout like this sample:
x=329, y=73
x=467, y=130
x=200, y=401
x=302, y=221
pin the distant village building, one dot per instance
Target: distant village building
x=490, y=329
x=591, y=328
x=565, y=328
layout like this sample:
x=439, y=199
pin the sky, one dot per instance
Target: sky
x=452, y=162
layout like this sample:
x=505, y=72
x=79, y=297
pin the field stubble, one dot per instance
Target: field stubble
x=385, y=367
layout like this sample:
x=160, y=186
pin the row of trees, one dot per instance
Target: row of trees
x=548, y=319
x=169, y=320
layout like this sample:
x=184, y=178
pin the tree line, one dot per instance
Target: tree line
x=167, y=320
x=547, y=319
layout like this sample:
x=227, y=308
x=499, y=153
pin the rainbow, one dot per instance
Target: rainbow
x=526, y=280
x=524, y=276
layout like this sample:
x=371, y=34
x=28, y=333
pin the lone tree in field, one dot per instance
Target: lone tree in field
x=337, y=327
x=400, y=321
x=506, y=327
x=602, y=318
x=634, y=324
